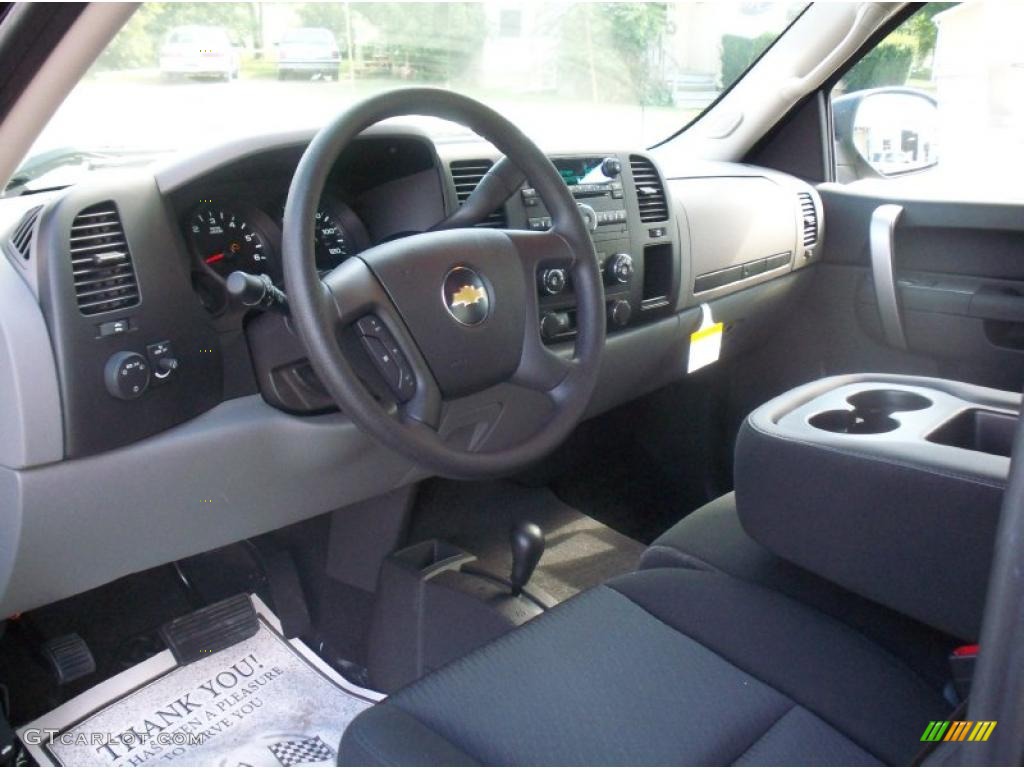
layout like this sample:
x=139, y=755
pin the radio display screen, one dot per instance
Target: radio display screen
x=581, y=170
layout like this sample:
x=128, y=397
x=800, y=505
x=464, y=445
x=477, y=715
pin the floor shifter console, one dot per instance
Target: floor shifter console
x=434, y=603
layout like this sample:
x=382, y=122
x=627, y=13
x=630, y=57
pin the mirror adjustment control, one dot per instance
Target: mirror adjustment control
x=127, y=375
x=162, y=360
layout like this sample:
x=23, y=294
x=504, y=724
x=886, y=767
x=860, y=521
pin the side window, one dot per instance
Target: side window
x=940, y=96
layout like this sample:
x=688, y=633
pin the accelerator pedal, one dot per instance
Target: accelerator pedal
x=69, y=658
x=211, y=629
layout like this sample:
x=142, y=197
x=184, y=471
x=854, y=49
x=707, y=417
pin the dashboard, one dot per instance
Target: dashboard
x=126, y=356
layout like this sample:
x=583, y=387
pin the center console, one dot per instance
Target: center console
x=887, y=485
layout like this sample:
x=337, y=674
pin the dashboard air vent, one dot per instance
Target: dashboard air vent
x=100, y=262
x=467, y=174
x=810, y=218
x=650, y=192
x=21, y=238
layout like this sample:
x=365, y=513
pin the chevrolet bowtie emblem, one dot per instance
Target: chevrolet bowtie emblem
x=467, y=295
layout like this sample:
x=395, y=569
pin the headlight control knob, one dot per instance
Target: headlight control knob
x=126, y=375
x=552, y=281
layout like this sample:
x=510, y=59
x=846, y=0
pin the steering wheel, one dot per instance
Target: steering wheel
x=445, y=313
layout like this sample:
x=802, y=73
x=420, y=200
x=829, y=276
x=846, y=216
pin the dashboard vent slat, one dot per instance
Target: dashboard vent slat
x=650, y=191
x=20, y=239
x=809, y=214
x=466, y=174
x=102, y=268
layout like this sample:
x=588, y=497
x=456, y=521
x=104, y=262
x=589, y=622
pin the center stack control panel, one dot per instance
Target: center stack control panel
x=623, y=202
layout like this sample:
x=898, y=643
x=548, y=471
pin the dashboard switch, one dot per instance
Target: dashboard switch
x=126, y=375
x=162, y=360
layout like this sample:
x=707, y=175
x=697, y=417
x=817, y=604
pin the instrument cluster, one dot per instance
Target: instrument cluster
x=235, y=235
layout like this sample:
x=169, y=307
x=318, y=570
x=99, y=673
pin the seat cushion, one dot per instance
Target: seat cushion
x=666, y=666
x=712, y=538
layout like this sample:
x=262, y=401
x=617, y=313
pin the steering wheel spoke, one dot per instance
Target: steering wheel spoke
x=541, y=249
x=361, y=302
x=543, y=369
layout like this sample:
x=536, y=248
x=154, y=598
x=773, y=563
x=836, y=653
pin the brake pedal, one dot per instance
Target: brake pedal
x=211, y=629
x=69, y=658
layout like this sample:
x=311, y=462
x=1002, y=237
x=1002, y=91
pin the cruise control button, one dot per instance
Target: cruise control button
x=387, y=356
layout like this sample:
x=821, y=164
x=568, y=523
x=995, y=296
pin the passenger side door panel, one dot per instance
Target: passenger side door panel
x=958, y=271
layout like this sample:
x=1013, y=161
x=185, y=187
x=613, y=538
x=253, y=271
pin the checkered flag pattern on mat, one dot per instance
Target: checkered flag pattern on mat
x=313, y=750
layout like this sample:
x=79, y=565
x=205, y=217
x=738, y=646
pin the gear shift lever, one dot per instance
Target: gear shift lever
x=527, y=540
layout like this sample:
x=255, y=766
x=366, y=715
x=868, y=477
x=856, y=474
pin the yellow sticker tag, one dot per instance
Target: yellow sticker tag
x=705, y=342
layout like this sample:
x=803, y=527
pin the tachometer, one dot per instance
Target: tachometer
x=227, y=240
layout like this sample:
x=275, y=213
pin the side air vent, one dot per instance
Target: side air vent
x=810, y=218
x=649, y=190
x=467, y=174
x=21, y=238
x=100, y=262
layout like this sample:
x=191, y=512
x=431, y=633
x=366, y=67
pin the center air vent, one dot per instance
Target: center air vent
x=100, y=262
x=467, y=174
x=649, y=190
x=21, y=238
x=809, y=213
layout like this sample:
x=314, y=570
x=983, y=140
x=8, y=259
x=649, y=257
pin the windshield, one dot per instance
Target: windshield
x=610, y=75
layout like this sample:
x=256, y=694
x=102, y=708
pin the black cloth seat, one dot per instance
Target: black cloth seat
x=663, y=666
x=713, y=538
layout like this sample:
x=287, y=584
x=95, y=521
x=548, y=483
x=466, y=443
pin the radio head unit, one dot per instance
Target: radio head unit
x=598, y=181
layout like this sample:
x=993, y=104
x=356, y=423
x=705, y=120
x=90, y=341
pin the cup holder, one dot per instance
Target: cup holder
x=854, y=422
x=888, y=401
x=872, y=412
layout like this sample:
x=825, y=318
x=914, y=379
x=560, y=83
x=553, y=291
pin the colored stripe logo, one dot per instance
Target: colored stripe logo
x=958, y=730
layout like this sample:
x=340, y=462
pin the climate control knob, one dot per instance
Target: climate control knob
x=619, y=268
x=552, y=281
x=619, y=313
x=554, y=324
x=126, y=375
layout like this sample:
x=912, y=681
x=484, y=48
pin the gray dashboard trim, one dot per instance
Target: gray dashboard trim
x=30, y=408
x=241, y=469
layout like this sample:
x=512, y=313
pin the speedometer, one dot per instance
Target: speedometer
x=333, y=243
x=227, y=240
x=337, y=233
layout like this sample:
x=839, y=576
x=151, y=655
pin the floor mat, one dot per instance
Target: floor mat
x=581, y=552
x=266, y=701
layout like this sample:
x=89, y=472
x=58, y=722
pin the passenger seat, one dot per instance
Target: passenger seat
x=712, y=539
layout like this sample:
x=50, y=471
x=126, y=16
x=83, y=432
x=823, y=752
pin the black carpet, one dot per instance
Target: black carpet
x=119, y=622
x=581, y=552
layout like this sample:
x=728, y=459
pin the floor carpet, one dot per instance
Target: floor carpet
x=580, y=553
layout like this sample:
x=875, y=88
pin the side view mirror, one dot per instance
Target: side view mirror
x=885, y=132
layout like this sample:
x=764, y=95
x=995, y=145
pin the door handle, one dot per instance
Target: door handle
x=880, y=237
x=994, y=303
